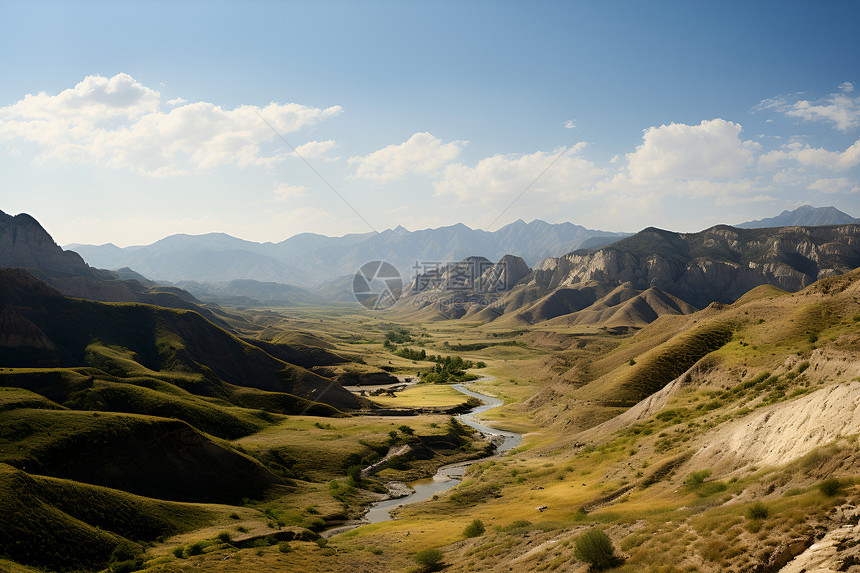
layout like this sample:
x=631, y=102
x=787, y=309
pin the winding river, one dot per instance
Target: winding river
x=450, y=475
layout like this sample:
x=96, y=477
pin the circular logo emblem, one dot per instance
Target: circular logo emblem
x=377, y=285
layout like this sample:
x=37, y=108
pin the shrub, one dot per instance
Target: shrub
x=284, y=547
x=225, y=537
x=830, y=487
x=196, y=548
x=758, y=511
x=520, y=524
x=595, y=548
x=474, y=529
x=126, y=558
x=179, y=551
x=428, y=559
x=127, y=566
x=696, y=479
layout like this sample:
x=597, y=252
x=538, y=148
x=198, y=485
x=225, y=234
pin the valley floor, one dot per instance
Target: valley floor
x=724, y=440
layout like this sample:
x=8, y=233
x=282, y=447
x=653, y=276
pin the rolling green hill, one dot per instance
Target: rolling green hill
x=155, y=457
x=63, y=525
x=43, y=329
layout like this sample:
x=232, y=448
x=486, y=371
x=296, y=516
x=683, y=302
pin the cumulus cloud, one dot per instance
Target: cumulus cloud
x=119, y=122
x=711, y=150
x=839, y=108
x=835, y=185
x=561, y=172
x=314, y=149
x=421, y=154
x=808, y=156
x=705, y=160
x=569, y=124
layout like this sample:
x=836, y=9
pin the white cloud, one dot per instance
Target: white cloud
x=284, y=191
x=420, y=154
x=314, y=149
x=119, y=122
x=176, y=101
x=736, y=200
x=812, y=156
x=711, y=150
x=839, y=108
x=835, y=185
x=569, y=124
x=561, y=172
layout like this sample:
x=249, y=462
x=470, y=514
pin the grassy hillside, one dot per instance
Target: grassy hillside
x=134, y=339
x=63, y=525
x=155, y=457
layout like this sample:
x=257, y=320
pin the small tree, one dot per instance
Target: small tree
x=474, y=529
x=429, y=559
x=595, y=548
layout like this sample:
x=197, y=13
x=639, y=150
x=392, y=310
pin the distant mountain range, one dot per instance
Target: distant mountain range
x=309, y=259
x=804, y=216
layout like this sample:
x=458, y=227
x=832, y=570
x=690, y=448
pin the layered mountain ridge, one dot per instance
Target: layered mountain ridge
x=633, y=281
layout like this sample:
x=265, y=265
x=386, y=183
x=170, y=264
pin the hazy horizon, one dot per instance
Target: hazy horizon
x=679, y=116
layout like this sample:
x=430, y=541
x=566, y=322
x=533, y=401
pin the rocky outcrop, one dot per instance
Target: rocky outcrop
x=473, y=274
x=24, y=243
x=635, y=280
x=784, y=432
x=717, y=265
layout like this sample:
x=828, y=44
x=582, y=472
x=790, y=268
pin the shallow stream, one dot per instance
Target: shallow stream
x=448, y=476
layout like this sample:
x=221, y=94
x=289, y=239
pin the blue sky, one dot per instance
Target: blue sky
x=127, y=122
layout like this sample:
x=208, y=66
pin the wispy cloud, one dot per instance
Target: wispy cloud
x=840, y=108
x=284, y=192
x=835, y=185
